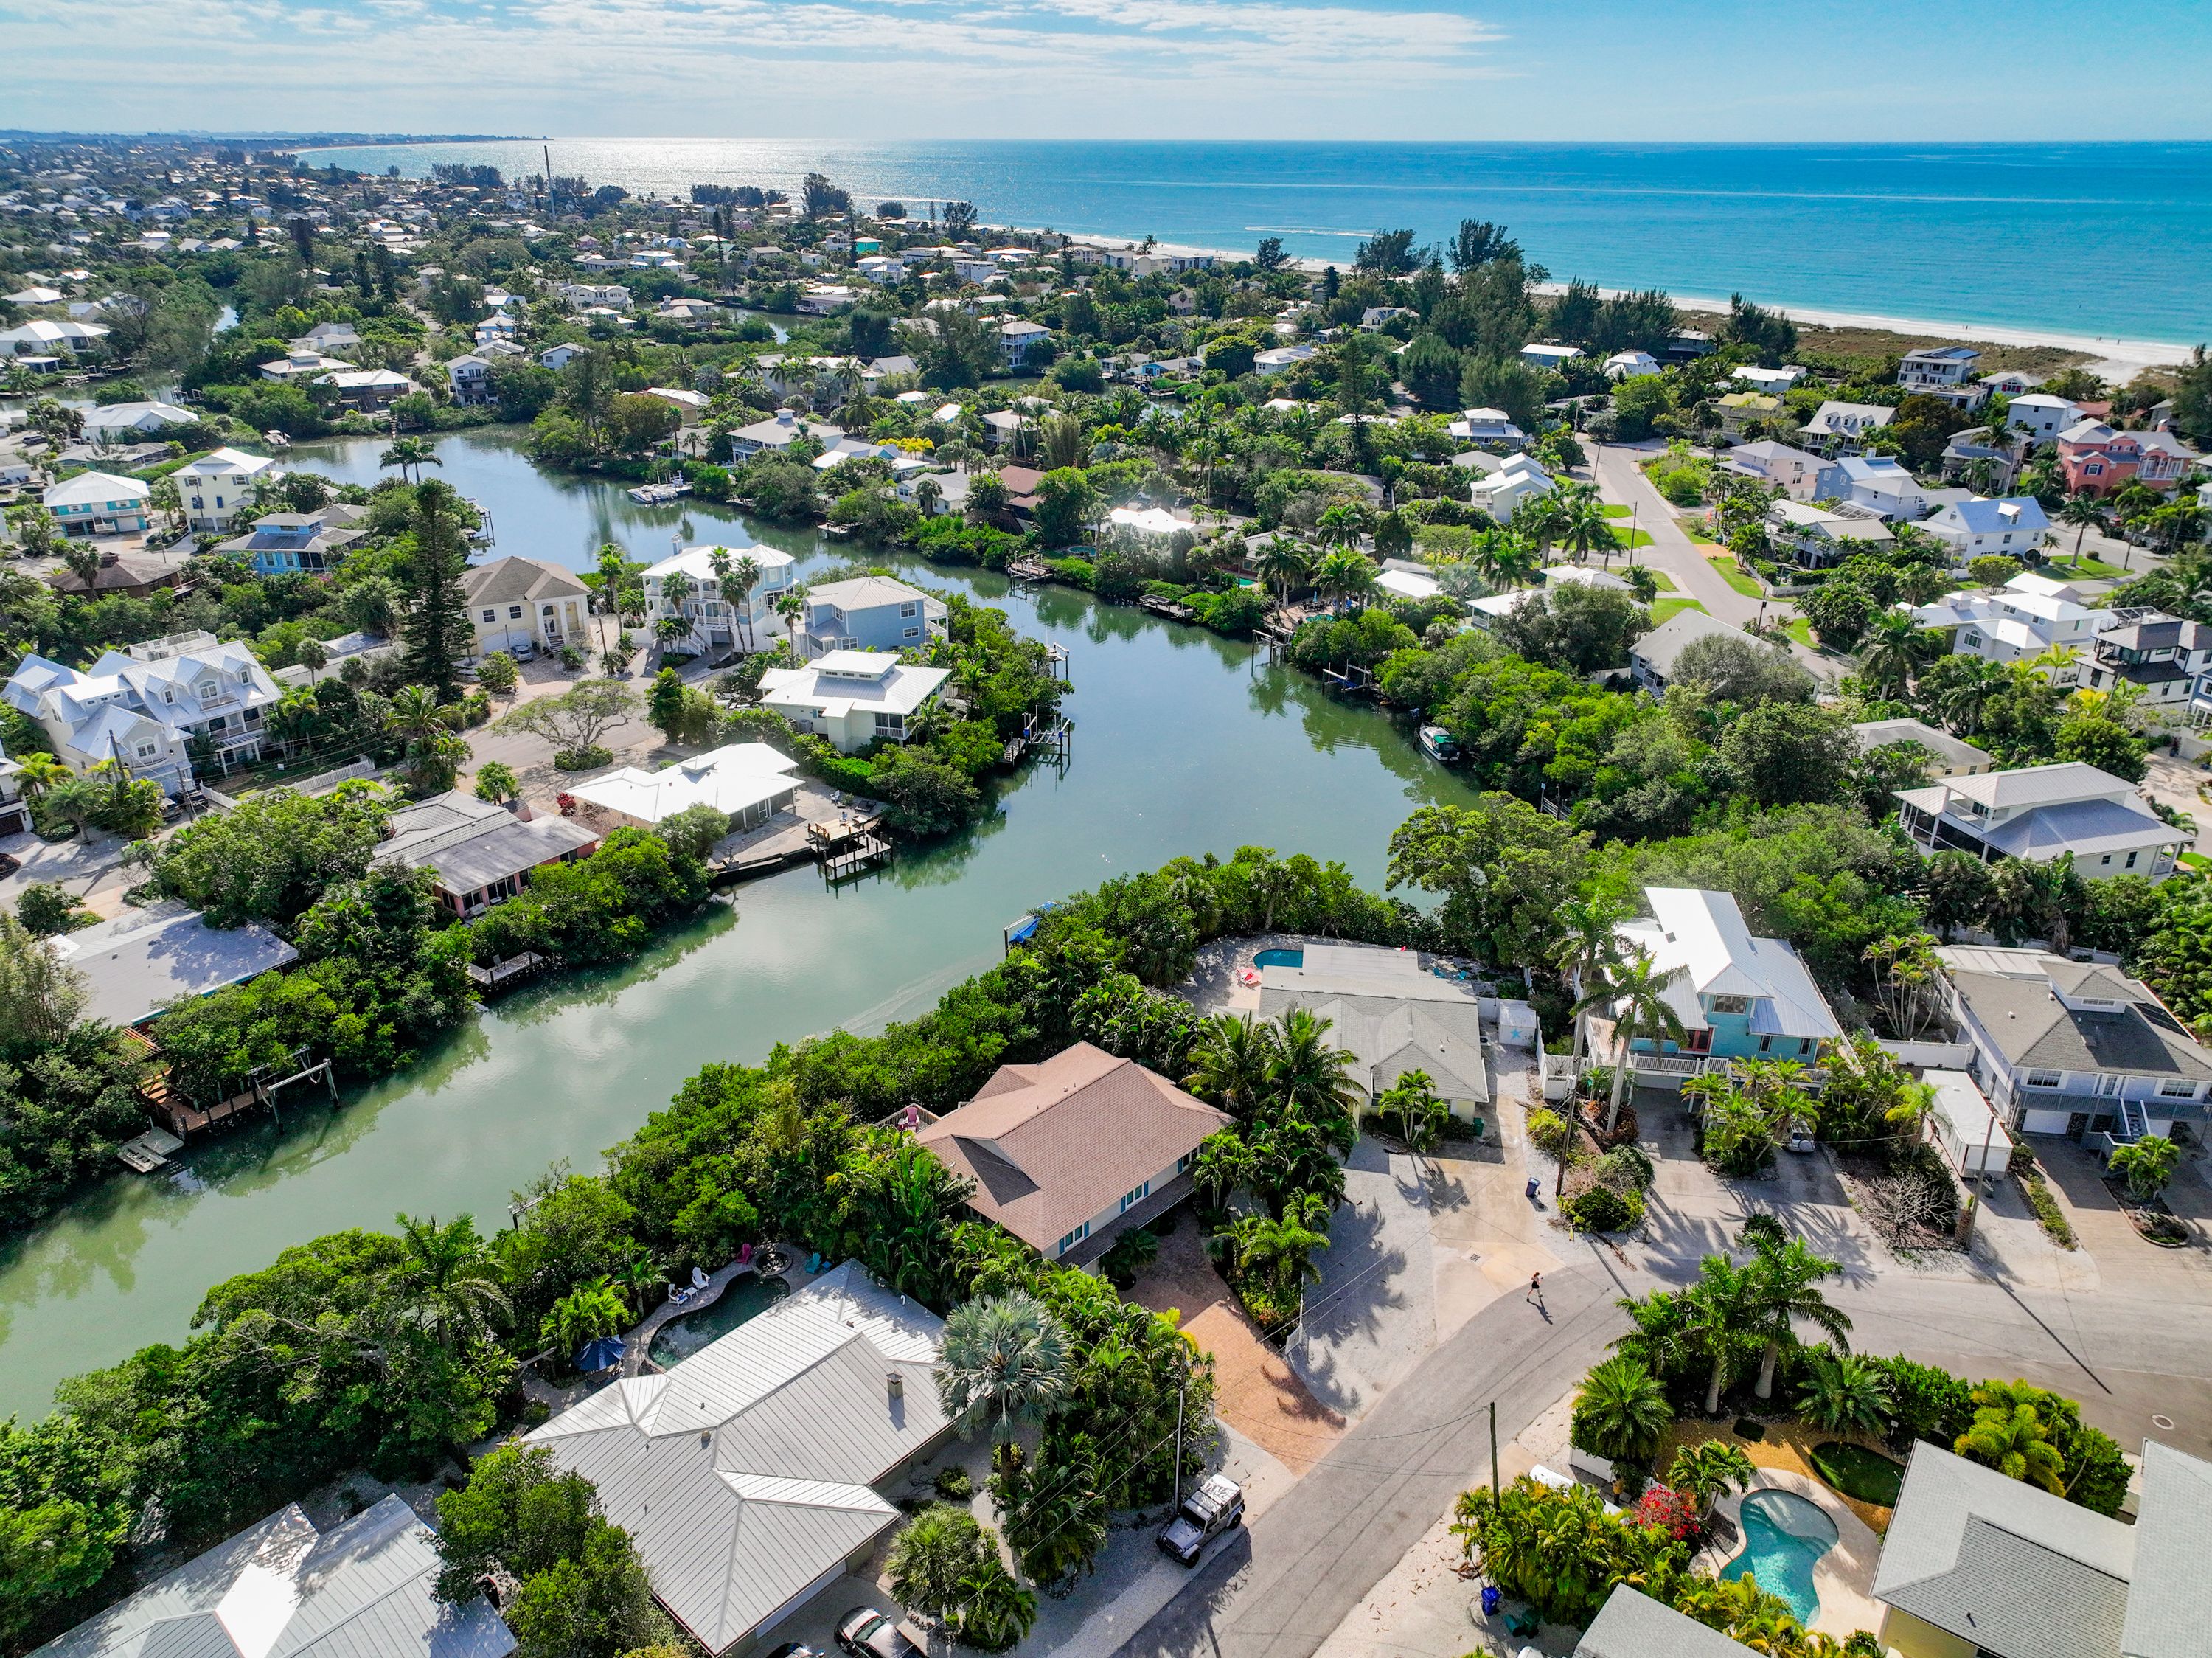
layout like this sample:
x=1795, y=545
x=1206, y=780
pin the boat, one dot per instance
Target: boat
x=1437, y=743
x=276, y=440
x=652, y=495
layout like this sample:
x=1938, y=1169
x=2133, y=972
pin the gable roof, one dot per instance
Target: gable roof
x=144, y=961
x=1631, y=1625
x=1050, y=1145
x=281, y=1589
x=472, y=843
x=1704, y=943
x=2170, y=1597
x=744, y=1473
x=2013, y=995
x=96, y=489
x=511, y=578
x=1659, y=648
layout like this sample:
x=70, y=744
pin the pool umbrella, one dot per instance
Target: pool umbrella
x=602, y=1354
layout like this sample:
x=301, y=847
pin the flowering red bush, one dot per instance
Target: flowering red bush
x=1670, y=1511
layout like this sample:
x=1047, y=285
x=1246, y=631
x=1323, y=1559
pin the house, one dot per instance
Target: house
x=689, y=312
x=368, y=391
x=1801, y=476
x=1949, y=756
x=1003, y=429
x=147, y=961
x=146, y=418
x=1740, y=411
x=557, y=358
x=1500, y=493
x=14, y=815
x=1631, y=1625
x=1738, y=996
x=1972, y=448
x=306, y=363
x=1631, y=365
x=142, y=705
x=2043, y=416
x=1839, y=429
x=118, y=576
x=1967, y=1126
x=854, y=698
x=470, y=377
x=44, y=339
x=1485, y=612
x=518, y=605
x=2040, y=813
x=1885, y=483
x=684, y=585
x=2099, y=459
x=2163, y=657
x=1277, y=358
x=1069, y=1153
x=329, y=336
x=282, y=1588
x=284, y=543
x=478, y=853
x=780, y=431
x=869, y=612
x=218, y=485
x=1375, y=318
x=821, y=299
x=1651, y=658
x=1018, y=339
x=99, y=503
x=1392, y=1014
x=2010, y=526
x=1490, y=427
x=2011, y=382
x=690, y=406
x=1773, y=381
x=2013, y=623
x=1944, y=371
x=591, y=296
x=745, y=1474
x=1551, y=358
x=1976, y=1563
x=748, y=782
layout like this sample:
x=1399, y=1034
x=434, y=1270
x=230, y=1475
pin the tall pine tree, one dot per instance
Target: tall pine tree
x=436, y=626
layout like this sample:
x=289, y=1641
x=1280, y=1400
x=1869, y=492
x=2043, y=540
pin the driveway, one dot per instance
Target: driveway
x=1373, y=1316
x=90, y=866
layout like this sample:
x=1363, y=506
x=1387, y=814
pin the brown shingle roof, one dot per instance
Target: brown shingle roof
x=1049, y=1146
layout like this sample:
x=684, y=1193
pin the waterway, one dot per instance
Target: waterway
x=1183, y=743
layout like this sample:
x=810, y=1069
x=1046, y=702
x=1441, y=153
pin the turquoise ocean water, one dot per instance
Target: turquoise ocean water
x=2111, y=239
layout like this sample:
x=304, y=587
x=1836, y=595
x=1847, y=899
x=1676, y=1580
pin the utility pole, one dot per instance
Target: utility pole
x=1182, y=1390
x=1496, y=1497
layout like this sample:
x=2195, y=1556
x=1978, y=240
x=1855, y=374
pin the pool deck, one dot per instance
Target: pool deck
x=637, y=1344
x=1842, y=1577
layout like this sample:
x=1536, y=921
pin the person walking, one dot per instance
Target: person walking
x=1536, y=1291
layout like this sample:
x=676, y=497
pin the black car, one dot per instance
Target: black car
x=1217, y=1506
x=794, y=1649
x=866, y=1633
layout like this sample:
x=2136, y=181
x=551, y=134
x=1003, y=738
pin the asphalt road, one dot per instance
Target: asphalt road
x=1278, y=1588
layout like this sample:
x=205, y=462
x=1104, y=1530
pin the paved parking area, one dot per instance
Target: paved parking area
x=1372, y=1317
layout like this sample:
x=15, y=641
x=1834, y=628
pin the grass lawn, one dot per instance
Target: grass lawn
x=2088, y=569
x=1697, y=532
x=1614, y=509
x=2196, y=861
x=1663, y=608
x=1631, y=540
x=1735, y=574
x=1788, y=1445
x=1857, y=1471
x=1664, y=581
x=1801, y=630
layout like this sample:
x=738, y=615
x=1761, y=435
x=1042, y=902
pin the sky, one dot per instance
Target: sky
x=1682, y=69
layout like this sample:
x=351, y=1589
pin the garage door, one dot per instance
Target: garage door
x=2043, y=1121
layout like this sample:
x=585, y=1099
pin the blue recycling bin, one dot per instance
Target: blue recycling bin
x=1491, y=1598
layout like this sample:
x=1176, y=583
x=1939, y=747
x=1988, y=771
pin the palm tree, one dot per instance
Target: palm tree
x=995, y=1611
x=1345, y=575
x=1285, y=563
x=1709, y=1469
x=928, y=1559
x=582, y=1316
x=927, y=492
x=1588, y=947
x=1231, y=1063
x=1414, y=1112
x=410, y=456
x=1583, y=526
x=2010, y=1434
x=1842, y=1394
x=1059, y=441
x=445, y=1283
x=738, y=590
x=36, y=773
x=1721, y=1309
x=1657, y=1341
x=1005, y=1359
x=2085, y=512
x=1308, y=1073
x=1895, y=647
x=1636, y=997
x=1622, y=1408
x=1783, y=1285
x=2146, y=1165
x=1279, y=1254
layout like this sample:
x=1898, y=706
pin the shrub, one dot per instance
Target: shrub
x=1601, y=1209
x=953, y=1485
x=583, y=760
x=1548, y=1132
x=46, y=908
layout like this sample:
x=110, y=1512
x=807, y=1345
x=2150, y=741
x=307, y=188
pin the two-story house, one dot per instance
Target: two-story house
x=854, y=698
x=1798, y=474
x=215, y=487
x=1840, y=429
x=1814, y=537
x=1019, y=339
x=589, y=296
x=2074, y=1047
x=524, y=605
x=2043, y=416
x=291, y=543
x=145, y=706
x=2010, y=526
x=2041, y=813
x=2013, y=623
x=1944, y=371
x=2162, y=656
x=1505, y=484
x=1885, y=483
x=2099, y=457
x=869, y=612
x=1740, y=411
x=778, y=432
x=470, y=378
x=99, y=503
x=684, y=586
x=1737, y=995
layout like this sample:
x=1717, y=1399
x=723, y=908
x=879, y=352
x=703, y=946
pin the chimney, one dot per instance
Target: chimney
x=895, y=1386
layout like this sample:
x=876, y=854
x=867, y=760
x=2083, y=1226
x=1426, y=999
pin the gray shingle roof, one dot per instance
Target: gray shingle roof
x=2170, y=1602
x=505, y=579
x=1659, y=648
x=2009, y=994
x=1631, y=1625
x=163, y=956
x=472, y=843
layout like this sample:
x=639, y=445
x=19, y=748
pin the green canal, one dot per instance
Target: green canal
x=1183, y=743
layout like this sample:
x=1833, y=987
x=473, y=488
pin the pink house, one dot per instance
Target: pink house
x=2099, y=457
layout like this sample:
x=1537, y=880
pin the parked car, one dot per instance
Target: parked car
x=866, y=1633
x=1216, y=1505
x=794, y=1649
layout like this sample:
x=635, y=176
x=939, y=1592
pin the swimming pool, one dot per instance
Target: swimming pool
x=681, y=1338
x=1279, y=959
x=1783, y=1535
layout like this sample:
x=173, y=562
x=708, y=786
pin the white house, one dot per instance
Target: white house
x=748, y=782
x=1277, y=358
x=1943, y=371
x=1018, y=338
x=1774, y=381
x=2011, y=382
x=1631, y=365
x=44, y=337
x=2163, y=658
x=1885, y=483
x=1651, y=658
x=1551, y=358
x=99, y=503
x=2011, y=525
x=684, y=585
x=1488, y=427
x=1501, y=493
x=588, y=296
x=2013, y=623
x=215, y=487
x=1839, y=428
x=470, y=377
x=1797, y=474
x=2043, y=416
x=780, y=431
x=143, y=704
x=520, y=605
x=306, y=364
x=2040, y=813
x=143, y=418
x=1818, y=537
x=558, y=356
x=854, y=698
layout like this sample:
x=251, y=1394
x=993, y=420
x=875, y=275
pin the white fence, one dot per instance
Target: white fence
x=1929, y=1055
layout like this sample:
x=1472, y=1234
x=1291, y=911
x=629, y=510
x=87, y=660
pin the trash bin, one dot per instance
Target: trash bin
x=1532, y=1189
x=1490, y=1597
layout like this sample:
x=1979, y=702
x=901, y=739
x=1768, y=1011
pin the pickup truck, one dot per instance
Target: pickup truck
x=1216, y=1506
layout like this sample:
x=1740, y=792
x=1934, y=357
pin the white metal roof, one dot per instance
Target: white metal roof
x=1702, y=939
x=729, y=779
x=96, y=489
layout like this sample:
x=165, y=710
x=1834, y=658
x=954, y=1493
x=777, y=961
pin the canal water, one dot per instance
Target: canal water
x=1183, y=743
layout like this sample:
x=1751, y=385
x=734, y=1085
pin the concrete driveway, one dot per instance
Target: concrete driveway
x=1372, y=1317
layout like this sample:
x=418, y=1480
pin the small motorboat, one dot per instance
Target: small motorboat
x=1438, y=744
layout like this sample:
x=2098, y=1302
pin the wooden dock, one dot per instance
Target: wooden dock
x=503, y=975
x=847, y=848
x=1029, y=570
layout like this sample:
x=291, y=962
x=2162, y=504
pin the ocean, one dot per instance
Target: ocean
x=2099, y=240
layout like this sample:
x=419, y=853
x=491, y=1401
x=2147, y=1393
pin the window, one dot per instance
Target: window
x=515, y=612
x=1805, y=1045
x=1073, y=1239
x=1138, y=1196
x=2041, y=1079
x=1731, y=1003
x=491, y=615
x=2132, y=860
x=909, y=610
x=2177, y=1090
x=1183, y=1162
x=911, y=633
x=146, y=752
